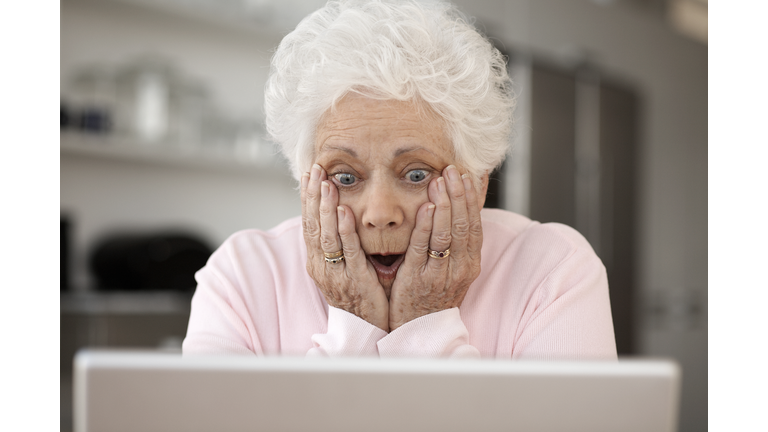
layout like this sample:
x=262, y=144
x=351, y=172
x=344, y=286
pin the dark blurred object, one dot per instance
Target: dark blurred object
x=95, y=120
x=64, y=254
x=495, y=192
x=165, y=261
x=65, y=116
x=90, y=119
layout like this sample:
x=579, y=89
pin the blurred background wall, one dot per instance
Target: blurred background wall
x=211, y=173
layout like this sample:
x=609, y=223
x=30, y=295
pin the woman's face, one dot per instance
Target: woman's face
x=381, y=155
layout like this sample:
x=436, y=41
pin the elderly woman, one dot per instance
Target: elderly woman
x=392, y=114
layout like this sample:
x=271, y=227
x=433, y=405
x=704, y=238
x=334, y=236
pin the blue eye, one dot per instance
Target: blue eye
x=417, y=176
x=346, y=179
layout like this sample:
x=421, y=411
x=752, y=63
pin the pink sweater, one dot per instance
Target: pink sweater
x=542, y=294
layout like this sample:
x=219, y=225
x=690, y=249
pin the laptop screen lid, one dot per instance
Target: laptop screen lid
x=152, y=391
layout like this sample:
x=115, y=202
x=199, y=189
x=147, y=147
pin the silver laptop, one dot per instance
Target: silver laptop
x=154, y=391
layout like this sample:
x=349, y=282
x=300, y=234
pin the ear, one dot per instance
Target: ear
x=483, y=190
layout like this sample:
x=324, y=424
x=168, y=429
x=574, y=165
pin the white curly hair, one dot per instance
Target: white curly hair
x=424, y=51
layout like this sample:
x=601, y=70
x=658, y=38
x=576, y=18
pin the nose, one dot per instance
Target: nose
x=383, y=208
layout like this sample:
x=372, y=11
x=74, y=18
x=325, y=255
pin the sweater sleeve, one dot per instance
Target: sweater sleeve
x=569, y=317
x=215, y=326
x=220, y=317
x=439, y=334
x=347, y=335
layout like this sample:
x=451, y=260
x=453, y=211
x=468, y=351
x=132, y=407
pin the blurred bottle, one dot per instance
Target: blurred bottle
x=91, y=100
x=144, y=93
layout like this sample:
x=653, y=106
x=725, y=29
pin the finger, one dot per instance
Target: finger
x=475, y=240
x=459, y=216
x=329, y=233
x=304, y=183
x=440, y=238
x=304, y=210
x=310, y=211
x=354, y=257
x=417, y=254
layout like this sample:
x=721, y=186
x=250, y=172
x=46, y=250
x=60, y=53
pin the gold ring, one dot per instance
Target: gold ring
x=334, y=260
x=438, y=254
x=334, y=254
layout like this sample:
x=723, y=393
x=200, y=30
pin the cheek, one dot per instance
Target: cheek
x=352, y=201
x=411, y=205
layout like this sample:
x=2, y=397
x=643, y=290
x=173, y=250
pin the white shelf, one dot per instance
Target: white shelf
x=126, y=302
x=169, y=154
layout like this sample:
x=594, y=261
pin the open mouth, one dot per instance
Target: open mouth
x=386, y=265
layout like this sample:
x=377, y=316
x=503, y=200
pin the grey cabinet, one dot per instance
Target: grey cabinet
x=582, y=162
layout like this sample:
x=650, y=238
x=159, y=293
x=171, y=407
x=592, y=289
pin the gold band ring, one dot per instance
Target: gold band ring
x=335, y=260
x=334, y=257
x=439, y=254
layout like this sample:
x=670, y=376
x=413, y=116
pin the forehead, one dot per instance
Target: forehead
x=369, y=126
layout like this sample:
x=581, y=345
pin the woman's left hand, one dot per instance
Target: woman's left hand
x=423, y=284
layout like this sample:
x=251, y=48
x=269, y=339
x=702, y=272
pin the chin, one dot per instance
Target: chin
x=387, y=284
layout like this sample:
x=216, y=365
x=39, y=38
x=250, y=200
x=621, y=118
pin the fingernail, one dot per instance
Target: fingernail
x=430, y=210
x=467, y=182
x=304, y=180
x=452, y=172
x=315, y=172
x=340, y=213
x=441, y=184
x=324, y=189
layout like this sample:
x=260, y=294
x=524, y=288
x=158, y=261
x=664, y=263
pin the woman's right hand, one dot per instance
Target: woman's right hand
x=352, y=284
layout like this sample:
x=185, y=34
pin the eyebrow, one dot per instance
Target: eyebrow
x=344, y=149
x=398, y=152
x=403, y=151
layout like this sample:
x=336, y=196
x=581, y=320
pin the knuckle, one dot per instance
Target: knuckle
x=419, y=249
x=328, y=242
x=460, y=227
x=351, y=255
x=311, y=194
x=325, y=211
x=311, y=227
x=458, y=193
x=443, y=237
x=476, y=229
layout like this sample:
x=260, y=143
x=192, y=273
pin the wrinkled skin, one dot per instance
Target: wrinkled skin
x=385, y=182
